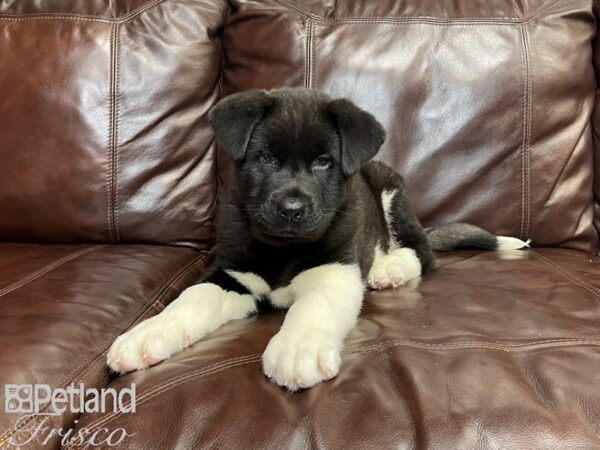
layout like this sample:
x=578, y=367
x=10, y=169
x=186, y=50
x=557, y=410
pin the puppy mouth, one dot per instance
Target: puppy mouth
x=267, y=227
x=290, y=234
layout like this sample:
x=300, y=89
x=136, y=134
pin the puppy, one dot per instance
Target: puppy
x=306, y=224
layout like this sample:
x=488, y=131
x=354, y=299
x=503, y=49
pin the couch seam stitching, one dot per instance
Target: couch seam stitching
x=304, y=77
x=308, y=54
x=417, y=19
x=115, y=143
x=109, y=138
x=523, y=132
x=516, y=347
x=161, y=291
x=109, y=151
x=126, y=18
x=48, y=268
x=420, y=21
x=529, y=80
x=570, y=276
x=158, y=307
x=238, y=361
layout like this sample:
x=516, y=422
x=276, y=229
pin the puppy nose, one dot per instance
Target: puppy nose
x=291, y=208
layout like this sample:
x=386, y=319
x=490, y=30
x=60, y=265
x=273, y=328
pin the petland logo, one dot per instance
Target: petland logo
x=37, y=403
x=41, y=399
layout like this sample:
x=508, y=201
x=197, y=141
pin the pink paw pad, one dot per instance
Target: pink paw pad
x=151, y=360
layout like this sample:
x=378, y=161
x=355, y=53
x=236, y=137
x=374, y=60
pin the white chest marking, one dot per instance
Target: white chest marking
x=387, y=198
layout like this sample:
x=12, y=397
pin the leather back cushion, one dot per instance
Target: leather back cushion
x=104, y=132
x=596, y=125
x=487, y=105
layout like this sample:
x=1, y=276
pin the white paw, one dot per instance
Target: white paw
x=148, y=343
x=394, y=269
x=301, y=358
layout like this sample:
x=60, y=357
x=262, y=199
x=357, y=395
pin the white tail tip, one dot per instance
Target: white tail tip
x=511, y=243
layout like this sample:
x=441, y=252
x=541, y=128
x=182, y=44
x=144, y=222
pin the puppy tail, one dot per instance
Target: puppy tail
x=456, y=236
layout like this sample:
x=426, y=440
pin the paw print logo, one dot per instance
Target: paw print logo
x=18, y=398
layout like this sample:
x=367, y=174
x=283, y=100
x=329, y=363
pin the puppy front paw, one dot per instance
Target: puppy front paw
x=148, y=343
x=301, y=358
x=395, y=269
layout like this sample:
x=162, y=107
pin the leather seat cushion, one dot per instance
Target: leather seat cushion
x=62, y=306
x=487, y=351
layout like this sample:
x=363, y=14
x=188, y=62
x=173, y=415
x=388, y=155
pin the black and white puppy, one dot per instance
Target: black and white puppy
x=306, y=224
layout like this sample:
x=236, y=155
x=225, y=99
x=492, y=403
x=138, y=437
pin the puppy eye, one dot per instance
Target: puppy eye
x=322, y=162
x=267, y=158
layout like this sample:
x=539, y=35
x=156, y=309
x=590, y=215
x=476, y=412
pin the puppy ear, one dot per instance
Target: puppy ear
x=234, y=118
x=361, y=134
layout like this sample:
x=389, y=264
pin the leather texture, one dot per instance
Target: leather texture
x=105, y=133
x=487, y=351
x=487, y=104
x=99, y=9
x=62, y=306
x=596, y=125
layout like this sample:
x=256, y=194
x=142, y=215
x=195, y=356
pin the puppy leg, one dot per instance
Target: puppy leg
x=407, y=230
x=409, y=252
x=199, y=310
x=307, y=349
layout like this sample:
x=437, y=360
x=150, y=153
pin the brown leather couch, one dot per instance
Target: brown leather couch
x=108, y=183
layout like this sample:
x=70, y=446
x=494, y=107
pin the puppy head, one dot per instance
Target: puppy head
x=294, y=150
